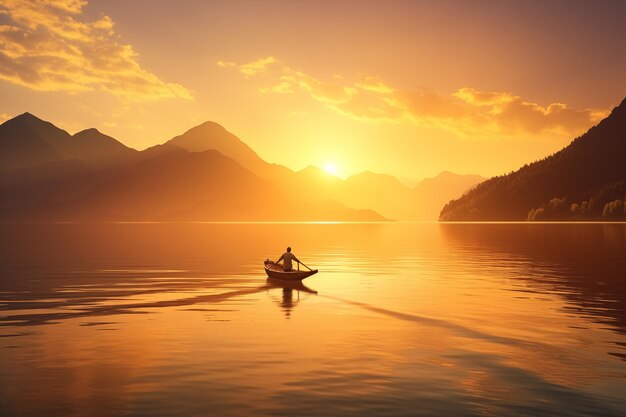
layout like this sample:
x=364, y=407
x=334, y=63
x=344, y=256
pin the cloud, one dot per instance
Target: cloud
x=283, y=87
x=322, y=91
x=46, y=45
x=259, y=66
x=468, y=111
x=225, y=64
x=369, y=83
x=511, y=113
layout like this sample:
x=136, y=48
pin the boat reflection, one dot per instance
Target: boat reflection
x=289, y=300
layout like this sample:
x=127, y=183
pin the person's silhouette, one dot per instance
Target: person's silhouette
x=287, y=257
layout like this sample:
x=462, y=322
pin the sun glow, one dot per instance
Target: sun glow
x=331, y=168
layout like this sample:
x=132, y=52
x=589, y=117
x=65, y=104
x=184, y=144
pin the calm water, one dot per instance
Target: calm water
x=403, y=319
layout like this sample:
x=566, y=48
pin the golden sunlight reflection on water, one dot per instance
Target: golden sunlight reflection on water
x=402, y=319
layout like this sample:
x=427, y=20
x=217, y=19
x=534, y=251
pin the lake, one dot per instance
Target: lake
x=402, y=320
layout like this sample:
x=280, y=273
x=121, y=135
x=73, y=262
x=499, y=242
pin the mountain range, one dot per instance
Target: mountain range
x=584, y=181
x=207, y=173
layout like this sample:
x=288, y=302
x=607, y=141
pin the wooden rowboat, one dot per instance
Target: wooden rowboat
x=275, y=271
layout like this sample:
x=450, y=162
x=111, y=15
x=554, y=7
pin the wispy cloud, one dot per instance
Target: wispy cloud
x=467, y=110
x=47, y=45
x=260, y=66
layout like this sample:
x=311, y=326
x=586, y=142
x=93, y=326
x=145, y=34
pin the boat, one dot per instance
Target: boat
x=274, y=270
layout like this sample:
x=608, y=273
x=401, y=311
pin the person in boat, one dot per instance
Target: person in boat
x=287, y=257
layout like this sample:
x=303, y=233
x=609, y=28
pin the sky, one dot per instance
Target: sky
x=409, y=88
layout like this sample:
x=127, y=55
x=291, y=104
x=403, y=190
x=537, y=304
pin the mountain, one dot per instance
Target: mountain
x=311, y=184
x=169, y=185
x=27, y=141
x=212, y=136
x=42, y=184
x=431, y=194
x=206, y=173
x=584, y=181
x=50, y=175
x=386, y=195
x=382, y=193
x=95, y=147
x=42, y=164
x=177, y=185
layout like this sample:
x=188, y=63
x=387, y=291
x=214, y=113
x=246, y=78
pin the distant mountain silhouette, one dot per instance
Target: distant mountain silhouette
x=382, y=193
x=181, y=185
x=212, y=136
x=27, y=141
x=172, y=184
x=387, y=195
x=206, y=173
x=432, y=194
x=584, y=181
x=48, y=175
x=314, y=182
x=95, y=147
x=41, y=185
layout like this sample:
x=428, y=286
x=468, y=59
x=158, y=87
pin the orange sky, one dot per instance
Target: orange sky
x=407, y=88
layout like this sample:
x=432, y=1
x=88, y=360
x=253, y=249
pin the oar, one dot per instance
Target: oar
x=305, y=265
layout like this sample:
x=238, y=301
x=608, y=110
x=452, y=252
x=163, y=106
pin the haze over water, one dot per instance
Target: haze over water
x=408, y=319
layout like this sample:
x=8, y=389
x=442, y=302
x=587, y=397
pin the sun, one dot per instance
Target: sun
x=331, y=168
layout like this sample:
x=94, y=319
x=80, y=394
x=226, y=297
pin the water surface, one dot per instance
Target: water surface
x=402, y=319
